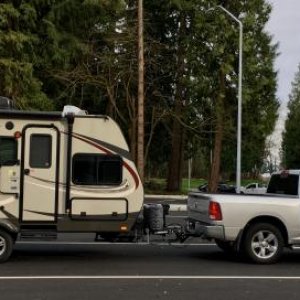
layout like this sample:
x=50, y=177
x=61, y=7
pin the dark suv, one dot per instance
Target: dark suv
x=222, y=188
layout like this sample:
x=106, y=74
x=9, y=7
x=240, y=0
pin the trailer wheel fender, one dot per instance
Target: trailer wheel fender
x=10, y=228
x=6, y=245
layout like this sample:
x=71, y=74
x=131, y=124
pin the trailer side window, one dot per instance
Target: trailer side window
x=40, y=151
x=97, y=169
x=8, y=151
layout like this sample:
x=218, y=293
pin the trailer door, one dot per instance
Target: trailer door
x=40, y=174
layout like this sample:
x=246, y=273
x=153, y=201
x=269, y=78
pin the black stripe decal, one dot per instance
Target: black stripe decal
x=122, y=152
x=41, y=213
x=9, y=215
x=118, y=217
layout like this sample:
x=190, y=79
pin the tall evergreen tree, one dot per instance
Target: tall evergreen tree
x=207, y=106
x=260, y=104
x=18, y=55
x=259, y=84
x=84, y=52
x=290, y=141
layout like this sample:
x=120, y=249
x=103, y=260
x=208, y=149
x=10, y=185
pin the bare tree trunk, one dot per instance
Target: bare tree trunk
x=133, y=139
x=215, y=168
x=175, y=163
x=155, y=119
x=110, y=107
x=140, y=121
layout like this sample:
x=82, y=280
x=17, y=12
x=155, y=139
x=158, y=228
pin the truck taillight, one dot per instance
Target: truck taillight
x=215, y=212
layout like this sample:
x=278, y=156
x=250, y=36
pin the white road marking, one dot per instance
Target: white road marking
x=141, y=277
x=129, y=244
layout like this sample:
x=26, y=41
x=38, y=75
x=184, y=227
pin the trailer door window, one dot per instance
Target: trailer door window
x=40, y=151
x=8, y=151
x=97, y=169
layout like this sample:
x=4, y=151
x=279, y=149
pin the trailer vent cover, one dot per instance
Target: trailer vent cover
x=70, y=109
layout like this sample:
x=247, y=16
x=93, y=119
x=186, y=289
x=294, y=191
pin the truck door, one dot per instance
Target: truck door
x=39, y=174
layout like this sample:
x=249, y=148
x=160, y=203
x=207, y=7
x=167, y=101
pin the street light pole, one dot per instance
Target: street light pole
x=240, y=86
x=141, y=100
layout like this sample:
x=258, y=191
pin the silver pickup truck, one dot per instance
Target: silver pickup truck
x=259, y=226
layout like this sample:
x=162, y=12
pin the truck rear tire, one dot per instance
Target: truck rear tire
x=263, y=243
x=6, y=245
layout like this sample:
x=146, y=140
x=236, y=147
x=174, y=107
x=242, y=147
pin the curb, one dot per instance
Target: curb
x=166, y=197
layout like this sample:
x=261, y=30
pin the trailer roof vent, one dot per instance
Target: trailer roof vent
x=70, y=109
x=6, y=103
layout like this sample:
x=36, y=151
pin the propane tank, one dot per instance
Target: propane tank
x=154, y=216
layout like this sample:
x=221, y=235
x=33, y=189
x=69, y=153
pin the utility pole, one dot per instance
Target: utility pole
x=140, y=109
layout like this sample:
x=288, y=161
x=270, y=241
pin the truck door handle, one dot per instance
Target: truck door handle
x=26, y=171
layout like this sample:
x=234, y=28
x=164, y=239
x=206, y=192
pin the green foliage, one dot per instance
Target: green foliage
x=290, y=142
x=18, y=48
x=83, y=52
x=260, y=104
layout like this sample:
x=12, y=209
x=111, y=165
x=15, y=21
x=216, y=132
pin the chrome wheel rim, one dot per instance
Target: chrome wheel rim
x=2, y=245
x=264, y=244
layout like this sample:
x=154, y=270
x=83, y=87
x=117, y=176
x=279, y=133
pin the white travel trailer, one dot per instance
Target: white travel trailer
x=64, y=172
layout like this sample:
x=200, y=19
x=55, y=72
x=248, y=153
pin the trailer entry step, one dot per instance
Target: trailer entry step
x=38, y=235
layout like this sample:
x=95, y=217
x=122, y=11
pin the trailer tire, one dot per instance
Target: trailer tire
x=6, y=245
x=227, y=247
x=263, y=243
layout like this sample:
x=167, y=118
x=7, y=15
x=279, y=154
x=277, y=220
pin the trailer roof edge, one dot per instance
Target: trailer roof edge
x=52, y=115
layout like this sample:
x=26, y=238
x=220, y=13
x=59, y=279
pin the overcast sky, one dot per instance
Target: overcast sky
x=284, y=25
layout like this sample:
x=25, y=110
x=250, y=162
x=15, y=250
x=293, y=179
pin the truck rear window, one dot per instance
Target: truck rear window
x=286, y=184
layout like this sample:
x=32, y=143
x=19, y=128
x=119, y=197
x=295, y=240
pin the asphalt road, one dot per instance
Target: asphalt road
x=93, y=271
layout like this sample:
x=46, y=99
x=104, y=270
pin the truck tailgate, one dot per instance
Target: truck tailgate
x=198, y=206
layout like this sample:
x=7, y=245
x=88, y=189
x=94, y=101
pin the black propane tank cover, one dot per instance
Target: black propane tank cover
x=154, y=216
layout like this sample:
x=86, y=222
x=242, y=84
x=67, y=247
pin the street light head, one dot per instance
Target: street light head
x=214, y=8
x=210, y=9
